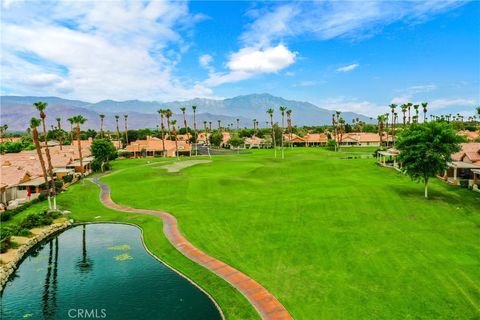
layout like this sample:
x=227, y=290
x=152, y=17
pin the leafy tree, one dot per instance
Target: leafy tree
x=426, y=149
x=235, y=141
x=216, y=138
x=103, y=150
x=331, y=144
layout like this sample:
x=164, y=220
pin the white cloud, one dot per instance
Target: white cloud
x=348, y=68
x=332, y=19
x=439, y=104
x=98, y=50
x=251, y=61
x=354, y=105
x=306, y=83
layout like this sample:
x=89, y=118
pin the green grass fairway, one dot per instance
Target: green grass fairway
x=331, y=238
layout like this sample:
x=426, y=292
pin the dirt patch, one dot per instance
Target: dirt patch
x=177, y=166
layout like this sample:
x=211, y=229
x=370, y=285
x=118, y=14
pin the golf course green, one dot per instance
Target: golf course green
x=331, y=238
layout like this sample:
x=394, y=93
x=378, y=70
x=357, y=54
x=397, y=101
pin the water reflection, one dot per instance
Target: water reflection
x=57, y=277
x=85, y=264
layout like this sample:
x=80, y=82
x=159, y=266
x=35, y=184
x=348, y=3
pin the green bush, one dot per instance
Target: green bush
x=67, y=178
x=58, y=184
x=5, y=216
x=44, y=218
x=4, y=244
x=464, y=183
x=42, y=197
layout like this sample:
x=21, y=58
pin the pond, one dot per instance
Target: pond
x=100, y=271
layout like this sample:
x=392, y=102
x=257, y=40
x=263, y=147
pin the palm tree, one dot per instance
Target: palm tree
x=254, y=127
x=416, y=106
x=125, y=116
x=206, y=132
x=173, y=123
x=409, y=105
x=289, y=124
x=210, y=126
x=34, y=123
x=168, y=114
x=162, y=118
x=381, y=120
x=3, y=129
x=70, y=120
x=118, y=130
x=404, y=111
x=341, y=123
x=185, y=122
x=194, y=108
x=282, y=111
x=219, y=125
x=59, y=136
x=424, y=107
x=102, y=116
x=78, y=120
x=392, y=107
x=270, y=113
x=41, y=106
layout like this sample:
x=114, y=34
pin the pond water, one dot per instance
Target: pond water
x=100, y=271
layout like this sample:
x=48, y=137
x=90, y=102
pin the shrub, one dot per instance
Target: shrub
x=68, y=178
x=464, y=183
x=331, y=144
x=4, y=244
x=58, y=184
x=42, y=197
x=5, y=216
x=39, y=219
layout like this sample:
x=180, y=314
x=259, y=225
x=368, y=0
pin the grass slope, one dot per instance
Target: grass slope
x=331, y=238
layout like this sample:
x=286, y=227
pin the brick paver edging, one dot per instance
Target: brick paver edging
x=262, y=300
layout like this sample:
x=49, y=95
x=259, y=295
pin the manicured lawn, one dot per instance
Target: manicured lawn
x=331, y=238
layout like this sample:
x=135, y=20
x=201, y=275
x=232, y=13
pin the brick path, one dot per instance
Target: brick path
x=264, y=302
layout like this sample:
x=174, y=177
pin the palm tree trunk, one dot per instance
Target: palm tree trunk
x=80, y=150
x=164, y=152
x=426, y=188
x=176, y=142
x=273, y=136
x=195, y=130
x=50, y=167
x=59, y=134
x=101, y=127
x=118, y=136
x=42, y=163
x=283, y=126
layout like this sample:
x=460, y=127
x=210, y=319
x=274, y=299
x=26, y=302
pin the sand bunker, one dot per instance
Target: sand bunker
x=177, y=166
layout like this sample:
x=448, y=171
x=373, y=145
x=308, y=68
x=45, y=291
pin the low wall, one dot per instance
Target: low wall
x=7, y=269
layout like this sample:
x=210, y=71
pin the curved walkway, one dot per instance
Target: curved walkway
x=264, y=302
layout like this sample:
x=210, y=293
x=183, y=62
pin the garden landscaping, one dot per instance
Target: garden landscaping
x=329, y=237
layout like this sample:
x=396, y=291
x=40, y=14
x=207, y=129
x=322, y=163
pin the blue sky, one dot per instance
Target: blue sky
x=358, y=56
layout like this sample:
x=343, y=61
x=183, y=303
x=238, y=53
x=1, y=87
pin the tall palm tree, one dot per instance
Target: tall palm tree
x=102, y=116
x=185, y=121
x=125, y=116
x=162, y=118
x=238, y=124
x=393, y=106
x=424, y=108
x=173, y=123
x=289, y=124
x=210, y=126
x=168, y=114
x=70, y=120
x=3, y=129
x=34, y=123
x=206, y=132
x=416, y=106
x=194, y=108
x=404, y=111
x=381, y=120
x=59, y=135
x=219, y=125
x=341, y=125
x=41, y=106
x=254, y=127
x=409, y=105
x=282, y=111
x=79, y=120
x=270, y=113
x=118, y=130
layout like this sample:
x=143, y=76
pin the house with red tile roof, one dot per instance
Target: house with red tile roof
x=465, y=165
x=359, y=139
x=153, y=146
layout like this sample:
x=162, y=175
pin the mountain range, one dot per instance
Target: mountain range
x=16, y=111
